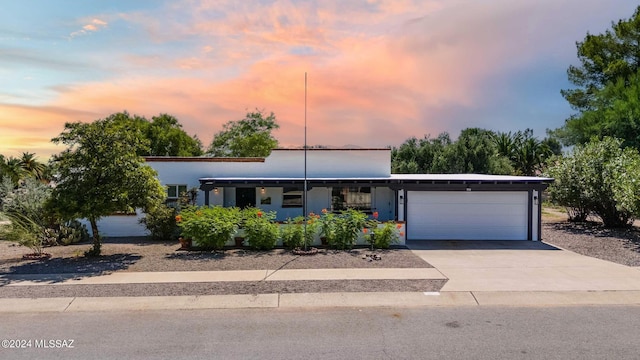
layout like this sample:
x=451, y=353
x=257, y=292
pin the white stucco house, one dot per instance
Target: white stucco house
x=431, y=206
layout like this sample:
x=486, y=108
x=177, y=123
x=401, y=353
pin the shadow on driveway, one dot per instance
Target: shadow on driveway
x=477, y=245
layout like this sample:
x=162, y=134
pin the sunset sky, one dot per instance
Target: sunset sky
x=379, y=72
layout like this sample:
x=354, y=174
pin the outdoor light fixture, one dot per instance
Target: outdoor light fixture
x=262, y=190
x=215, y=190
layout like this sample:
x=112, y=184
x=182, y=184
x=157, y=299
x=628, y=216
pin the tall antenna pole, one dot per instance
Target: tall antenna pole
x=304, y=196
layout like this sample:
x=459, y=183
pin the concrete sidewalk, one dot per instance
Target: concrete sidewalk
x=478, y=273
x=221, y=276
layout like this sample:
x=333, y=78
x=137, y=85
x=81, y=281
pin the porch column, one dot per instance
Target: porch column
x=206, y=188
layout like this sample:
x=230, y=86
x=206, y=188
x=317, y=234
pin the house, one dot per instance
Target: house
x=432, y=206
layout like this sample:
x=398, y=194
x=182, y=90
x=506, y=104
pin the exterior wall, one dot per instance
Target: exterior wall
x=325, y=163
x=119, y=225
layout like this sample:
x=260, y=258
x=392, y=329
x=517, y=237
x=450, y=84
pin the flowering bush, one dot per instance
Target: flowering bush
x=260, y=229
x=342, y=230
x=383, y=236
x=296, y=235
x=209, y=227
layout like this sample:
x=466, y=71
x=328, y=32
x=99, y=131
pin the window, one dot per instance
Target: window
x=354, y=197
x=174, y=191
x=291, y=197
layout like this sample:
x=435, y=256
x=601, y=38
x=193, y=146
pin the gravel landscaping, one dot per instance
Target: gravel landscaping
x=621, y=246
x=139, y=254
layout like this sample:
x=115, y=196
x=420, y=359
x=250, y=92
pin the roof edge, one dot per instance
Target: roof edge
x=202, y=159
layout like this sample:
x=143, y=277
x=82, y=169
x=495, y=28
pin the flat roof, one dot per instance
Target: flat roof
x=201, y=159
x=391, y=179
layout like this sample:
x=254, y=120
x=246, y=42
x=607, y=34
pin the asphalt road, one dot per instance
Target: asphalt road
x=426, y=333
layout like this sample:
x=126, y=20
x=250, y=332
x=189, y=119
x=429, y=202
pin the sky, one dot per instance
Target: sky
x=378, y=72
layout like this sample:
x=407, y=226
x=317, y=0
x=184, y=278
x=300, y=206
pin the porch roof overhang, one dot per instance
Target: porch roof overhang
x=395, y=181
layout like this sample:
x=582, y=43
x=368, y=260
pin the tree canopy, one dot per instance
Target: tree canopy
x=475, y=151
x=248, y=137
x=101, y=173
x=607, y=83
x=26, y=166
x=164, y=134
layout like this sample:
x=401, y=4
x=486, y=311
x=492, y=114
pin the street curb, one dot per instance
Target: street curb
x=322, y=300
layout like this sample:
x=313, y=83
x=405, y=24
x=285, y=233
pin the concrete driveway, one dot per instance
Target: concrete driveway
x=513, y=266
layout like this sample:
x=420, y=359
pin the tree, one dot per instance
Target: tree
x=249, y=137
x=101, y=173
x=32, y=166
x=526, y=153
x=599, y=177
x=164, y=134
x=473, y=152
x=609, y=64
x=418, y=156
x=12, y=169
x=168, y=139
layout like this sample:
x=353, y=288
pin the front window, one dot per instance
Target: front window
x=354, y=197
x=291, y=197
x=174, y=191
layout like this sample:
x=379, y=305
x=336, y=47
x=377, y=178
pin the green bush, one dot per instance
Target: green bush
x=598, y=177
x=209, y=227
x=292, y=234
x=161, y=223
x=260, y=229
x=382, y=237
x=300, y=232
x=342, y=230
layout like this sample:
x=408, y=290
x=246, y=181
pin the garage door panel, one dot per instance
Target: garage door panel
x=467, y=215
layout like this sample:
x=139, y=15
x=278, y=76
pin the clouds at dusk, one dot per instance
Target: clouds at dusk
x=378, y=71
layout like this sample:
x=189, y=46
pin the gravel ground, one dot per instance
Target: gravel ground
x=138, y=254
x=621, y=246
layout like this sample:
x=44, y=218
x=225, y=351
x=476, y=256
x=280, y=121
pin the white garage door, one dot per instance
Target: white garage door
x=468, y=215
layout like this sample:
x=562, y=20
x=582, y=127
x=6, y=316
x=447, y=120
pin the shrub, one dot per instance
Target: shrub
x=209, y=227
x=260, y=229
x=382, y=237
x=598, y=177
x=72, y=232
x=300, y=232
x=342, y=229
x=161, y=223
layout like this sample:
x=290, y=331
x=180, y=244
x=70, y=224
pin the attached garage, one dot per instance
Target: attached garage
x=470, y=206
x=466, y=215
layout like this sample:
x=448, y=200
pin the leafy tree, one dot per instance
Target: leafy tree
x=606, y=80
x=168, y=139
x=418, y=156
x=473, y=152
x=164, y=134
x=101, y=172
x=249, y=137
x=599, y=177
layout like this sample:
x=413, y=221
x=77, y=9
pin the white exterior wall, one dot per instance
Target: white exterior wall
x=119, y=225
x=325, y=163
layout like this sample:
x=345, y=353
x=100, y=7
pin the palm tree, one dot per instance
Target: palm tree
x=33, y=167
x=13, y=170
